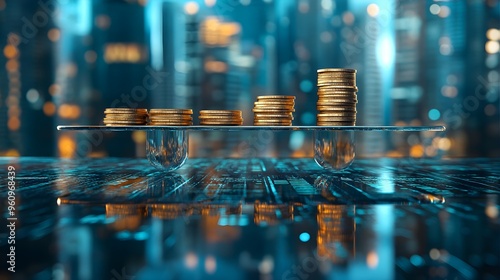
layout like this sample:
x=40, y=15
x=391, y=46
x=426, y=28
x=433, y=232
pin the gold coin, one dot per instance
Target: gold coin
x=324, y=109
x=125, y=111
x=220, y=119
x=272, y=121
x=336, y=119
x=271, y=116
x=123, y=123
x=338, y=88
x=276, y=107
x=273, y=124
x=220, y=112
x=337, y=76
x=272, y=110
x=338, y=94
x=337, y=114
x=322, y=84
x=170, y=124
x=264, y=97
x=336, y=123
x=335, y=92
x=220, y=124
x=272, y=103
x=337, y=102
x=122, y=118
x=171, y=111
x=171, y=120
x=336, y=70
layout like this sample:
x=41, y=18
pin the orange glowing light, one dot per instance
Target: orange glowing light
x=12, y=153
x=54, y=34
x=49, y=108
x=13, y=123
x=12, y=65
x=372, y=259
x=372, y=10
x=54, y=89
x=66, y=146
x=10, y=51
x=191, y=8
x=417, y=151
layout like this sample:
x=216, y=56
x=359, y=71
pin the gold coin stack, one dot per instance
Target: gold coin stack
x=171, y=117
x=125, y=116
x=337, y=97
x=274, y=110
x=221, y=117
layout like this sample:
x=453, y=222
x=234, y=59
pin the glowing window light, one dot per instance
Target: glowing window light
x=304, y=237
x=49, y=109
x=434, y=9
x=10, y=51
x=493, y=34
x=124, y=53
x=54, y=34
x=191, y=8
x=210, y=3
x=13, y=123
x=492, y=47
x=385, y=51
x=372, y=10
x=444, y=12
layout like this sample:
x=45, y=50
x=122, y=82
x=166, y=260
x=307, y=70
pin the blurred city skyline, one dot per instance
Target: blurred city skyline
x=419, y=63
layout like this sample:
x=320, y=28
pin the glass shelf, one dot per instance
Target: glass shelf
x=250, y=128
x=167, y=146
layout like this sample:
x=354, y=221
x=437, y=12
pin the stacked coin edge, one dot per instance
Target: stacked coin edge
x=125, y=116
x=221, y=117
x=274, y=110
x=170, y=117
x=337, y=97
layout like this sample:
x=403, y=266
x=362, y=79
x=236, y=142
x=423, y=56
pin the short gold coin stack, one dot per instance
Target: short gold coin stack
x=274, y=110
x=221, y=117
x=171, y=117
x=337, y=97
x=125, y=116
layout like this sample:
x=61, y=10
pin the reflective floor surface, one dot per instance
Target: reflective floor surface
x=254, y=219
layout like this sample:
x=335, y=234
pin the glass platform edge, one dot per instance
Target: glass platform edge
x=251, y=128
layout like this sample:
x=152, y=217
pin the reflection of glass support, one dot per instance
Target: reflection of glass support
x=334, y=150
x=167, y=146
x=268, y=214
x=336, y=232
x=166, y=149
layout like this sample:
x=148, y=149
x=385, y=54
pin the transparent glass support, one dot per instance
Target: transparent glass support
x=334, y=150
x=167, y=150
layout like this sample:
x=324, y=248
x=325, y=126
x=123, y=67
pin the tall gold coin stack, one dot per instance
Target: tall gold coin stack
x=274, y=110
x=221, y=117
x=125, y=116
x=337, y=97
x=171, y=117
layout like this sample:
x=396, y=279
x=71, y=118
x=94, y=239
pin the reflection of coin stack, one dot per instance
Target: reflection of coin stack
x=335, y=228
x=274, y=110
x=125, y=210
x=216, y=210
x=272, y=214
x=337, y=97
x=171, y=117
x=127, y=216
x=170, y=211
x=221, y=117
x=125, y=116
